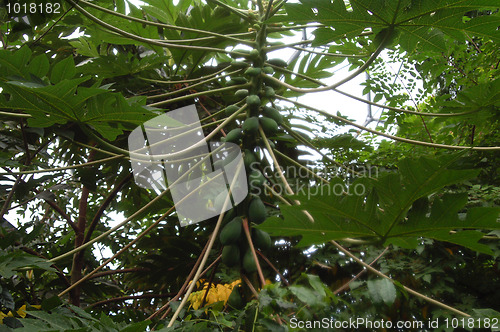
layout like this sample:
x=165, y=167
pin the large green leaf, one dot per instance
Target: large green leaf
x=391, y=209
x=418, y=23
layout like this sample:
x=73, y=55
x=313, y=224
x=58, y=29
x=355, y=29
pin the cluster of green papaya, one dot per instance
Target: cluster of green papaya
x=257, y=92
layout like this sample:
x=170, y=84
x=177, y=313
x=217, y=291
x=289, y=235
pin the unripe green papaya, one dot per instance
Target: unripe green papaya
x=268, y=70
x=261, y=239
x=230, y=234
x=236, y=81
x=251, y=125
x=257, y=211
x=252, y=71
x=269, y=92
x=254, y=54
x=278, y=62
x=245, y=52
x=249, y=159
x=235, y=300
x=231, y=109
x=241, y=93
x=272, y=113
x=270, y=82
x=256, y=178
x=253, y=101
x=269, y=126
x=234, y=136
x=239, y=64
x=230, y=255
x=249, y=264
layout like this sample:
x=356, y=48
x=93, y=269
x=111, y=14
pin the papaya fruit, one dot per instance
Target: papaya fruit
x=245, y=52
x=272, y=113
x=234, y=136
x=230, y=255
x=269, y=126
x=249, y=264
x=269, y=92
x=230, y=234
x=239, y=64
x=252, y=71
x=270, y=82
x=268, y=70
x=235, y=300
x=253, y=101
x=257, y=211
x=254, y=54
x=261, y=239
x=256, y=178
x=249, y=159
x=278, y=62
x=231, y=109
x=241, y=93
x=251, y=125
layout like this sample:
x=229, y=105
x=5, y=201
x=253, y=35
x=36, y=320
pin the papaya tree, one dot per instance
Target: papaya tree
x=394, y=220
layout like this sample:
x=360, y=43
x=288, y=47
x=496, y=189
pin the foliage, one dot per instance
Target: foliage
x=74, y=84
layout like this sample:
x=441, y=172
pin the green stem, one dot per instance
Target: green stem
x=168, y=94
x=16, y=115
x=207, y=253
x=310, y=145
x=167, y=26
x=197, y=94
x=57, y=169
x=396, y=138
x=147, y=40
x=281, y=46
x=330, y=54
x=358, y=98
x=307, y=169
x=140, y=211
x=185, y=81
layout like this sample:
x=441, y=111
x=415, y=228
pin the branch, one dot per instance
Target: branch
x=252, y=248
x=409, y=290
x=110, y=272
x=396, y=138
x=341, y=288
x=167, y=26
x=147, y=40
x=104, y=205
x=130, y=297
